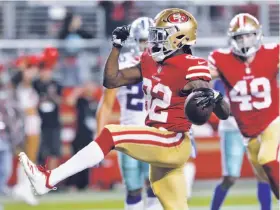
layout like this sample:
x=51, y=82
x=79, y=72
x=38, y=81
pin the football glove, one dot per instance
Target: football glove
x=119, y=35
x=208, y=97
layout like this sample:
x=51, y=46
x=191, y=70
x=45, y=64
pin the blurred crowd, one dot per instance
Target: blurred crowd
x=30, y=117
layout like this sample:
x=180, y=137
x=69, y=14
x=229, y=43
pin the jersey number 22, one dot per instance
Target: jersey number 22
x=133, y=101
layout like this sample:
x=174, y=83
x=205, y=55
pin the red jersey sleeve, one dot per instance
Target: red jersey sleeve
x=198, y=70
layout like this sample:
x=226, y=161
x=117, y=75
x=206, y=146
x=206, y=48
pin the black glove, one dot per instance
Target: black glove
x=119, y=35
x=207, y=97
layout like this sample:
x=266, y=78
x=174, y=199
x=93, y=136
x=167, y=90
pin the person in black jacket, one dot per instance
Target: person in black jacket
x=49, y=91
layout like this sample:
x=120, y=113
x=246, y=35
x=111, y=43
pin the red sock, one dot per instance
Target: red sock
x=105, y=141
x=272, y=171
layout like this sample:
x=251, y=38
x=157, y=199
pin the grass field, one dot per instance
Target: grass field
x=197, y=203
x=234, y=203
x=242, y=197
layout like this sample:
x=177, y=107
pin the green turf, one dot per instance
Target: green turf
x=118, y=204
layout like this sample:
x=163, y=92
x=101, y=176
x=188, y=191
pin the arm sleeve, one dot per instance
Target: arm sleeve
x=199, y=70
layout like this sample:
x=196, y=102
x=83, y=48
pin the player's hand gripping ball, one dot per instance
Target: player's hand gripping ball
x=200, y=104
x=119, y=35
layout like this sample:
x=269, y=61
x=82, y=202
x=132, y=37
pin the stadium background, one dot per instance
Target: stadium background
x=27, y=27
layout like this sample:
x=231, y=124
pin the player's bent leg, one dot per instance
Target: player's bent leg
x=162, y=148
x=167, y=186
x=232, y=149
x=131, y=173
x=154, y=146
x=264, y=194
x=253, y=149
x=151, y=202
x=268, y=154
x=44, y=180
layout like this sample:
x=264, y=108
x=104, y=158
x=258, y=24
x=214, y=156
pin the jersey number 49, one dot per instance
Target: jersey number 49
x=245, y=91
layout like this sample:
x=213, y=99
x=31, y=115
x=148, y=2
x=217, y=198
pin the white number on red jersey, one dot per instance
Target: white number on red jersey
x=258, y=87
x=152, y=104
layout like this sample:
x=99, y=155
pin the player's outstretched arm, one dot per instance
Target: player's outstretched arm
x=105, y=107
x=212, y=97
x=113, y=76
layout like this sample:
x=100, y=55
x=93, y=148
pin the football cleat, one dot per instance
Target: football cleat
x=37, y=175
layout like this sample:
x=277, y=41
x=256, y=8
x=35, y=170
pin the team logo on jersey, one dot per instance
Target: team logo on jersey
x=178, y=18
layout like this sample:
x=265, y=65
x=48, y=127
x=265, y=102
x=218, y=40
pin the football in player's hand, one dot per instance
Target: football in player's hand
x=197, y=114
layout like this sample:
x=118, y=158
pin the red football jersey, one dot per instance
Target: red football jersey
x=252, y=89
x=162, y=84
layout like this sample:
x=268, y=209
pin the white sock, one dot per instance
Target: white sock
x=135, y=206
x=189, y=172
x=152, y=203
x=87, y=157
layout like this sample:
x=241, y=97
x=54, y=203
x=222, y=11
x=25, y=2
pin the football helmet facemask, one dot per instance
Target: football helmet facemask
x=245, y=35
x=173, y=28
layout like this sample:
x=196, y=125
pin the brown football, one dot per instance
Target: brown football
x=194, y=113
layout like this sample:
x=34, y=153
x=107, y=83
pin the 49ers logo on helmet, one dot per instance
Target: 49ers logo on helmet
x=178, y=18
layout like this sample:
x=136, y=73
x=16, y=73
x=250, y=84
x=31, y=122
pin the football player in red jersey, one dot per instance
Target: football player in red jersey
x=168, y=73
x=249, y=71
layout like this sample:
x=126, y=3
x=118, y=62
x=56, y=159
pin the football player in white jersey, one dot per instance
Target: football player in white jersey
x=132, y=112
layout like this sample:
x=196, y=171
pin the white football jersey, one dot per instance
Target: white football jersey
x=131, y=97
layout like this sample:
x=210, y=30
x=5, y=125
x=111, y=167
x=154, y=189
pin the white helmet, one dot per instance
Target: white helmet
x=139, y=33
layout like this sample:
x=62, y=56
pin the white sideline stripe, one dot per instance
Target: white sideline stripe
x=198, y=68
x=197, y=75
x=148, y=137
